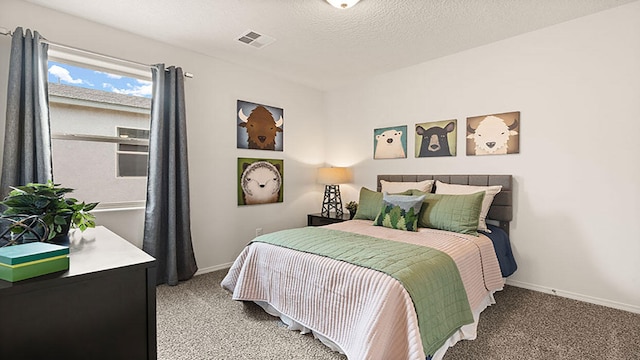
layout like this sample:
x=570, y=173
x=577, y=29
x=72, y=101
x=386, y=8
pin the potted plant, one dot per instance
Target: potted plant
x=352, y=206
x=49, y=203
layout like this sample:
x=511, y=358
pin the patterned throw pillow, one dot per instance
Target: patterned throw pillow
x=399, y=212
x=370, y=203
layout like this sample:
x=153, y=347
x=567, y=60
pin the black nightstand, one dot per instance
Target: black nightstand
x=319, y=220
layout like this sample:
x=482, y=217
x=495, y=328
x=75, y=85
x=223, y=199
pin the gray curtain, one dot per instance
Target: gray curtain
x=167, y=228
x=27, y=137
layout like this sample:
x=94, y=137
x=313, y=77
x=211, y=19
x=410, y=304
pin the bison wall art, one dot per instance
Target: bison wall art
x=390, y=143
x=260, y=127
x=494, y=134
x=436, y=138
x=260, y=181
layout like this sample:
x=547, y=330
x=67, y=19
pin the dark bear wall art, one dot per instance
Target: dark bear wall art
x=436, y=138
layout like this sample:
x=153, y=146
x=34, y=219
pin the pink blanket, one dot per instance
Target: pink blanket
x=369, y=315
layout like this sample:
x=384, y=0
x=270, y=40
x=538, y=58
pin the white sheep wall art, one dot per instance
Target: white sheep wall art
x=390, y=142
x=494, y=134
x=260, y=181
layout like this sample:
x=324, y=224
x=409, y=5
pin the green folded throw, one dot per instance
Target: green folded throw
x=430, y=276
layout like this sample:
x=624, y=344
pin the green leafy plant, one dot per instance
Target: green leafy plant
x=48, y=201
x=352, y=206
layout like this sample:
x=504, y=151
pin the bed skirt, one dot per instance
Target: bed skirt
x=466, y=332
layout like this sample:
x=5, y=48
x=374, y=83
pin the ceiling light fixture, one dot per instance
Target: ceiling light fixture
x=342, y=4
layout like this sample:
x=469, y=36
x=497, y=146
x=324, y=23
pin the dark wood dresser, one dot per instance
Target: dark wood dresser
x=103, y=307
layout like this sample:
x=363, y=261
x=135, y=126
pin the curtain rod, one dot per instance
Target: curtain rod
x=7, y=32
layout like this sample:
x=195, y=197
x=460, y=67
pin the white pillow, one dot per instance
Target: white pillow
x=398, y=187
x=489, y=193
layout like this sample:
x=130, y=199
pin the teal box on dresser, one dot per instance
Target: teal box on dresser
x=24, y=261
x=18, y=254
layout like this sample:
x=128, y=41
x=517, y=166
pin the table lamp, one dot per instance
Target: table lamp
x=331, y=177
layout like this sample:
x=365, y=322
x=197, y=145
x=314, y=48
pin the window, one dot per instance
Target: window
x=132, y=157
x=100, y=130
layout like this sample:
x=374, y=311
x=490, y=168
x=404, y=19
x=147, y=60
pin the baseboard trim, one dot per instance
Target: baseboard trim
x=213, y=268
x=575, y=296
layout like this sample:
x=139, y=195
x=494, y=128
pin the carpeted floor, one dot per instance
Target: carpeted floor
x=198, y=320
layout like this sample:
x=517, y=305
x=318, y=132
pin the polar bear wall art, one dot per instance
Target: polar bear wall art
x=390, y=143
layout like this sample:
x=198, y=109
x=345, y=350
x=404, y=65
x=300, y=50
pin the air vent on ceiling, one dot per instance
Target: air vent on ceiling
x=255, y=39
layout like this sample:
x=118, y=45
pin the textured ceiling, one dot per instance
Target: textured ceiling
x=324, y=47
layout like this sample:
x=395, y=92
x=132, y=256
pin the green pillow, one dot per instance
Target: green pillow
x=370, y=203
x=399, y=212
x=457, y=213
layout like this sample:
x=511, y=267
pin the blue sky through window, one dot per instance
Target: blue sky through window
x=61, y=73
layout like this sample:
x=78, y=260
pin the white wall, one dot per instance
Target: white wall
x=577, y=176
x=220, y=228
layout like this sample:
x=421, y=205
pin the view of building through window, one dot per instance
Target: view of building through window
x=100, y=133
x=132, y=159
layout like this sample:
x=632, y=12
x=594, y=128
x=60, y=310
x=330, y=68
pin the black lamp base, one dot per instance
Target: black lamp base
x=332, y=201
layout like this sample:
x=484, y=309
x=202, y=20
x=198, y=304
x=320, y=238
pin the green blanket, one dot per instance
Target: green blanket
x=430, y=276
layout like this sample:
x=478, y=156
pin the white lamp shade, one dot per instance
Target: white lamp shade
x=342, y=4
x=334, y=175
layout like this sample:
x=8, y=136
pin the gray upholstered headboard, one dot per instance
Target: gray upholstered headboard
x=502, y=207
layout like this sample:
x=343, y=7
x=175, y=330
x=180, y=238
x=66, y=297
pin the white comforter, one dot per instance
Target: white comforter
x=367, y=314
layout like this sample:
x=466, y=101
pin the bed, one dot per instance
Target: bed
x=376, y=292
